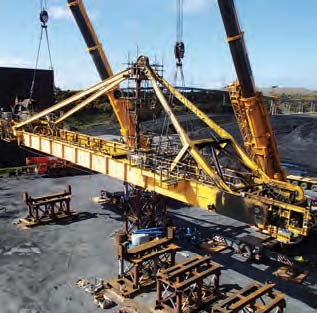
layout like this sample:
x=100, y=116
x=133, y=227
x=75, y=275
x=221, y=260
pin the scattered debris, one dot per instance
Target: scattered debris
x=96, y=289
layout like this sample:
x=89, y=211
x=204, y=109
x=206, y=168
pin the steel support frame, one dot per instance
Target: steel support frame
x=183, y=286
x=47, y=208
x=255, y=298
x=190, y=189
x=143, y=209
x=139, y=265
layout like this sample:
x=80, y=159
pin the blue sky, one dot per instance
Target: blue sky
x=280, y=37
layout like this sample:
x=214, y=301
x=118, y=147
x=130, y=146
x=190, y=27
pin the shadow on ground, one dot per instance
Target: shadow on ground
x=306, y=292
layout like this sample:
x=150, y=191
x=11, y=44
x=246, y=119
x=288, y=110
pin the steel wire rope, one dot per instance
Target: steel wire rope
x=43, y=20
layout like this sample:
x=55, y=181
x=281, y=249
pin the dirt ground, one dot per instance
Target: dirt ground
x=296, y=137
x=40, y=266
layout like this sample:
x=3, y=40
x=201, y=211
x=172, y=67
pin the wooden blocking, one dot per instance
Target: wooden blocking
x=213, y=246
x=291, y=274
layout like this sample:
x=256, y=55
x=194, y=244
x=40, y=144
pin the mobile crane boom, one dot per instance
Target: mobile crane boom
x=94, y=47
x=126, y=116
x=250, y=110
x=213, y=173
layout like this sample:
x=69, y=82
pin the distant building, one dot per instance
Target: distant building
x=15, y=83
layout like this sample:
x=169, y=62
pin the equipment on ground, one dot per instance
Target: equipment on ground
x=253, y=298
x=48, y=208
x=46, y=165
x=192, y=284
x=138, y=265
x=213, y=172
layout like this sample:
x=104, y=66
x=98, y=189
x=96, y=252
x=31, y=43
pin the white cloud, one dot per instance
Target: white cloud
x=59, y=13
x=197, y=6
x=15, y=62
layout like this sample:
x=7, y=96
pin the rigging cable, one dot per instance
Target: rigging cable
x=44, y=21
x=179, y=48
x=179, y=51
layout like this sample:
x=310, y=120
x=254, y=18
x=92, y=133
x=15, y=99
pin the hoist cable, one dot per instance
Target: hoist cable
x=179, y=20
x=44, y=20
x=36, y=64
x=49, y=49
x=179, y=48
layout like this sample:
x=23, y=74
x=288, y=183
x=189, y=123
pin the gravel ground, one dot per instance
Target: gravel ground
x=40, y=266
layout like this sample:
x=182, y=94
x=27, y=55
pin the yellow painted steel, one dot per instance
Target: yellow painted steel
x=98, y=46
x=200, y=184
x=263, y=177
x=71, y=100
x=112, y=159
x=90, y=99
x=122, y=108
x=234, y=38
x=183, y=136
x=180, y=155
x=254, y=123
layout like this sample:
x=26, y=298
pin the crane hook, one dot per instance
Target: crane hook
x=179, y=51
x=44, y=18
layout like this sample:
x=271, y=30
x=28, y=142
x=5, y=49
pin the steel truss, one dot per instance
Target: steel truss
x=44, y=209
x=143, y=209
x=213, y=172
x=139, y=265
x=188, y=285
x=255, y=298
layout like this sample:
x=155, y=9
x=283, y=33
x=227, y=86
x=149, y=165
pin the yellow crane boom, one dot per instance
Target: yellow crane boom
x=249, y=107
x=213, y=173
x=124, y=110
x=187, y=172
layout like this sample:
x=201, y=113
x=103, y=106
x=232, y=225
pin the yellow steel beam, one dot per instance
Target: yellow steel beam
x=118, y=161
x=197, y=194
x=192, y=192
x=201, y=162
x=179, y=157
x=122, y=108
x=90, y=99
x=71, y=99
x=225, y=135
x=98, y=45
